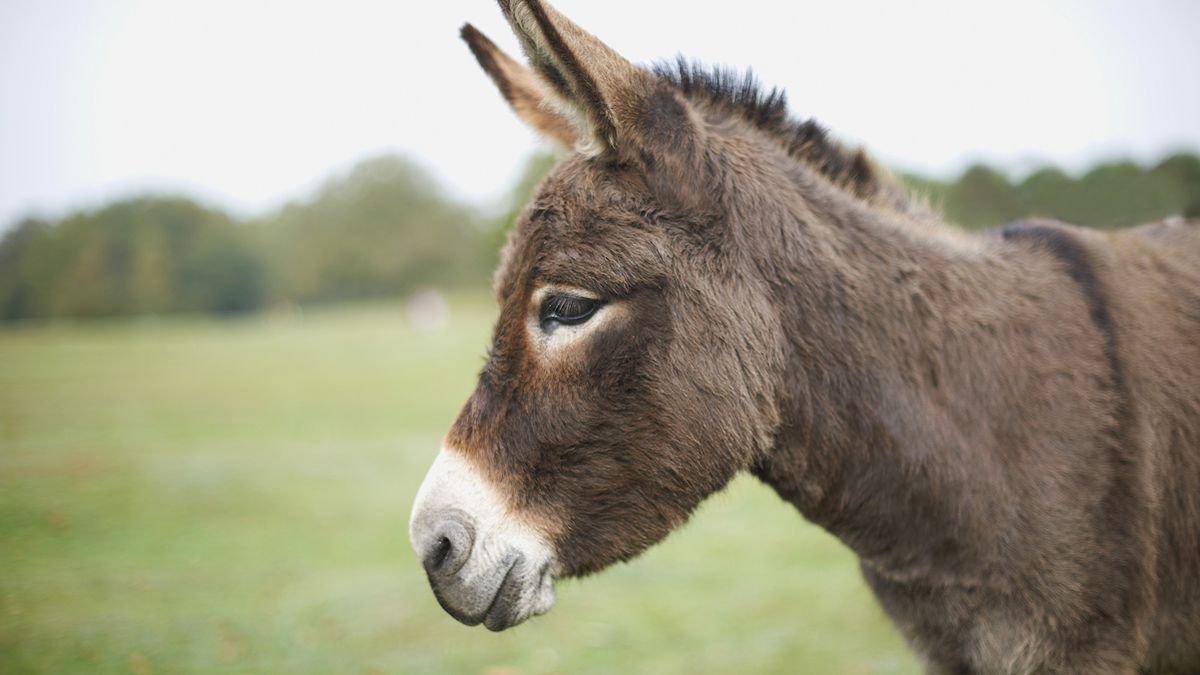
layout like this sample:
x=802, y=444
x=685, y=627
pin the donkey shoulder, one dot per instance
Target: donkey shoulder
x=1142, y=290
x=1156, y=281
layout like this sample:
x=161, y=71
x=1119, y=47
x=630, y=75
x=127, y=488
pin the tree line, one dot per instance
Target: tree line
x=385, y=228
x=1109, y=195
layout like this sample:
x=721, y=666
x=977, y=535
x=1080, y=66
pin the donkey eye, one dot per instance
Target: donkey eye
x=566, y=310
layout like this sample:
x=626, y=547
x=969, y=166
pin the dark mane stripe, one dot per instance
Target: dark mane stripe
x=807, y=140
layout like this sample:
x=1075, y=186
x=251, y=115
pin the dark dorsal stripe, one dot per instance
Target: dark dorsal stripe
x=1063, y=246
x=1120, y=500
x=1120, y=505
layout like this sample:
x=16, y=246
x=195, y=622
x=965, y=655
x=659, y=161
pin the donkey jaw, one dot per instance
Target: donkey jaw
x=484, y=565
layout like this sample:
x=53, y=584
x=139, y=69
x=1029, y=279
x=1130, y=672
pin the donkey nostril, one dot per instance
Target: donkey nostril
x=450, y=547
x=441, y=552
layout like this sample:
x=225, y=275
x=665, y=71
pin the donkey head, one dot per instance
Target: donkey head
x=633, y=364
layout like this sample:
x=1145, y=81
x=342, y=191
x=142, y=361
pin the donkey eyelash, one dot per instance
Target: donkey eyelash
x=566, y=310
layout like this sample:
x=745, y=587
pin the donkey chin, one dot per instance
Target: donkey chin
x=485, y=565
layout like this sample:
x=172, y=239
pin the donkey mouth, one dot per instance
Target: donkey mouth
x=454, y=597
x=501, y=613
x=519, y=595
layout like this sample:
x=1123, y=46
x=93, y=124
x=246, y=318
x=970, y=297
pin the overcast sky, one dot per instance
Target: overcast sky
x=247, y=104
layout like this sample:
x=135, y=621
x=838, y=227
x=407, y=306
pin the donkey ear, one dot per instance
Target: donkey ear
x=528, y=94
x=617, y=106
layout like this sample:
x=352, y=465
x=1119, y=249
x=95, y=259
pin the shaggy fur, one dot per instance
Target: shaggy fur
x=1005, y=428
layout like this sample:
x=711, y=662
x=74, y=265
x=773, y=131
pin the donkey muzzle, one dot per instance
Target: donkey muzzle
x=484, y=565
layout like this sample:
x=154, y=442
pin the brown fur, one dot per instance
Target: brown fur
x=1005, y=428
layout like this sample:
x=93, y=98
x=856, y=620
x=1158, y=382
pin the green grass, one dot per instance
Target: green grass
x=200, y=496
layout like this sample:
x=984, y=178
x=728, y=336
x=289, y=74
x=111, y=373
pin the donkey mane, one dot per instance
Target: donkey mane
x=808, y=141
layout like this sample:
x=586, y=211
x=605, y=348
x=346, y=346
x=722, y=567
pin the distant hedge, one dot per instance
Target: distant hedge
x=1115, y=194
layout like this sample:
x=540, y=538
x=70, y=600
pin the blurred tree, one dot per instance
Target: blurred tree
x=139, y=256
x=1120, y=194
x=982, y=197
x=23, y=268
x=1049, y=192
x=383, y=228
x=1183, y=171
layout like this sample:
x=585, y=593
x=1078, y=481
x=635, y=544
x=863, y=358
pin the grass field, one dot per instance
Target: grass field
x=201, y=496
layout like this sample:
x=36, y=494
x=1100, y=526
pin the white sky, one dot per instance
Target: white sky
x=247, y=104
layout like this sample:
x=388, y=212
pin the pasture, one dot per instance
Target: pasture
x=201, y=496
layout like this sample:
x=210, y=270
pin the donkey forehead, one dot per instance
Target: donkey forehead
x=583, y=229
x=580, y=187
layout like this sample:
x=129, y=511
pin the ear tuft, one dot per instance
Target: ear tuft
x=484, y=51
x=530, y=97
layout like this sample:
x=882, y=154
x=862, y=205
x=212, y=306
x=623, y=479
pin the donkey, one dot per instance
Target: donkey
x=1004, y=427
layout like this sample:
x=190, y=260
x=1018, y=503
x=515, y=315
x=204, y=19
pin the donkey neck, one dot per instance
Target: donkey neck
x=884, y=317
